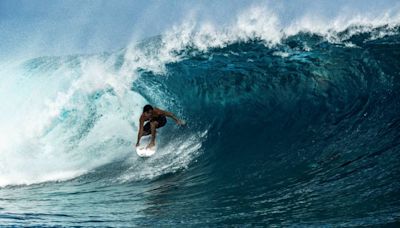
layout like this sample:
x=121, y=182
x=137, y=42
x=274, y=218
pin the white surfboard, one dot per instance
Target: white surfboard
x=142, y=151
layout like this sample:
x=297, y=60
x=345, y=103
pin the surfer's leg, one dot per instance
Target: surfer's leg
x=147, y=129
x=153, y=126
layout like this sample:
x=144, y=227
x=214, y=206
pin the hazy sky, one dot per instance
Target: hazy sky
x=54, y=27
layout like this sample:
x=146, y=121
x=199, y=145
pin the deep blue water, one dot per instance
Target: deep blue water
x=304, y=132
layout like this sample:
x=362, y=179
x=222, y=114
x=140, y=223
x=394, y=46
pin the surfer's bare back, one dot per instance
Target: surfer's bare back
x=156, y=118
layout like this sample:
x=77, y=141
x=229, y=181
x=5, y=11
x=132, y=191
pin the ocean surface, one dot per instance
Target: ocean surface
x=298, y=128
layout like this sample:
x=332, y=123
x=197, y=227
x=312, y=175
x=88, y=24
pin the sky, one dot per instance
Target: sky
x=60, y=27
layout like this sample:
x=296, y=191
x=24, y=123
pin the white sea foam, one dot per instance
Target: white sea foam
x=172, y=156
x=44, y=136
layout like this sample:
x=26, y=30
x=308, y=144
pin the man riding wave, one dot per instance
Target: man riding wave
x=156, y=118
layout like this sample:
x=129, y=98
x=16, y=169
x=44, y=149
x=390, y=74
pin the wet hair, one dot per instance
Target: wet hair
x=147, y=108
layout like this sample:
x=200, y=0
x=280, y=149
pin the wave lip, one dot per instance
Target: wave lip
x=259, y=23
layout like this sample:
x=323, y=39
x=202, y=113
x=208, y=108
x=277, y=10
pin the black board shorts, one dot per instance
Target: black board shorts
x=162, y=120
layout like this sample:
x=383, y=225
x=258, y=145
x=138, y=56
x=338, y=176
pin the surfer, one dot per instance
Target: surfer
x=156, y=118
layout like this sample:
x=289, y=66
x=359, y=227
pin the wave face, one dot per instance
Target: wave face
x=301, y=131
x=307, y=130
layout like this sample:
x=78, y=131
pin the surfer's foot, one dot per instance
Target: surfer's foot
x=152, y=144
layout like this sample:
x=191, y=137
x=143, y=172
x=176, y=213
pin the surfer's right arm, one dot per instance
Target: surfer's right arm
x=140, y=133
